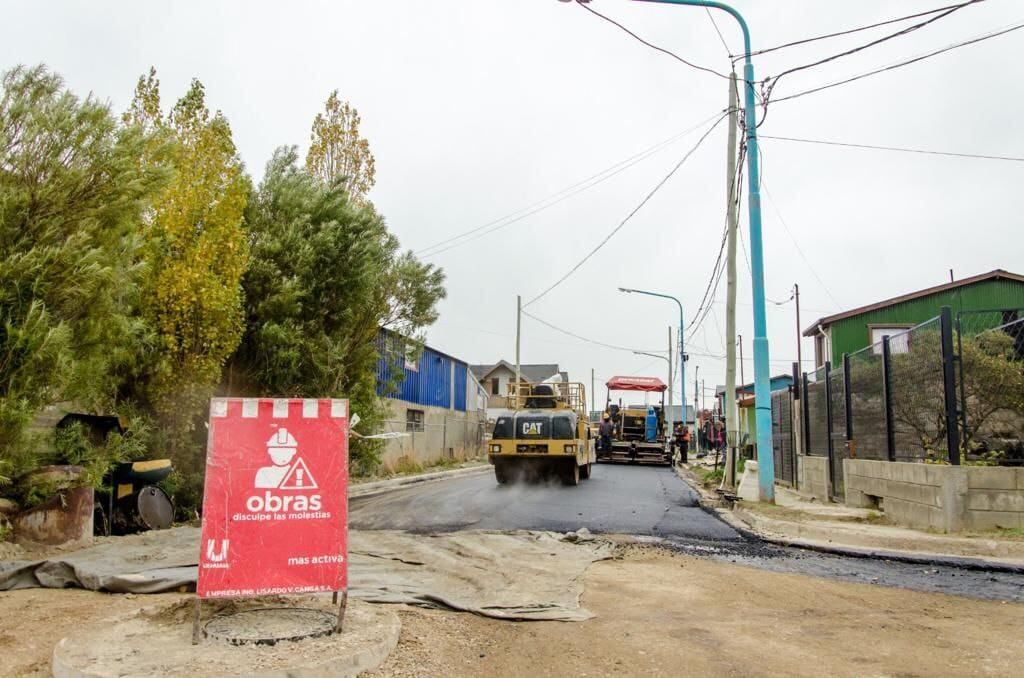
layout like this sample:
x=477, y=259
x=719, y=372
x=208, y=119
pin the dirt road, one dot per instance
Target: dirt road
x=658, y=613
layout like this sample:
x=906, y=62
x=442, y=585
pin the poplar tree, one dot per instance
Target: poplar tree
x=196, y=251
x=337, y=151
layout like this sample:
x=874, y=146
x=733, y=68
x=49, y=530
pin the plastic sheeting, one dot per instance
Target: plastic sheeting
x=517, y=575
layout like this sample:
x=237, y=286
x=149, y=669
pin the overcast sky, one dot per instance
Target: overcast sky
x=475, y=109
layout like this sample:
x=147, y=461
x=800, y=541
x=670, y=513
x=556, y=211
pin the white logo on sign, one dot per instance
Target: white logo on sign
x=215, y=555
x=284, y=474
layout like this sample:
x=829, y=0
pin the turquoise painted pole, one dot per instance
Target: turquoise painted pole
x=762, y=384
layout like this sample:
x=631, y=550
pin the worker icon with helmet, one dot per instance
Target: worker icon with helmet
x=281, y=447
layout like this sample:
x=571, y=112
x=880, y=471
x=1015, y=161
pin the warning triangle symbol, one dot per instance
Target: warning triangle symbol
x=298, y=478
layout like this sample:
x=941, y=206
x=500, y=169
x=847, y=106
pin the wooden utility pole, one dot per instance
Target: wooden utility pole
x=519, y=321
x=731, y=419
x=799, y=337
x=593, y=394
x=668, y=417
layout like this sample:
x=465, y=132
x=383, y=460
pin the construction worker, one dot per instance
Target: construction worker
x=684, y=443
x=605, y=432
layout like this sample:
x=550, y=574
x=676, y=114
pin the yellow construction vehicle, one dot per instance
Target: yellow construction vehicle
x=545, y=432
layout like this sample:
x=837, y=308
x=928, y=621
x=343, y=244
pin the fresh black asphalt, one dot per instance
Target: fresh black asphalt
x=653, y=502
x=636, y=500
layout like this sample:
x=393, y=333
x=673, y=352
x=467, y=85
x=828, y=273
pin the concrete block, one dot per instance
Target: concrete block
x=992, y=477
x=995, y=500
x=914, y=515
x=919, y=494
x=992, y=520
x=919, y=474
x=1020, y=479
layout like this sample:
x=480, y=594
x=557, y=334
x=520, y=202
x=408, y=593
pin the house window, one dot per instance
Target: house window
x=414, y=420
x=899, y=342
x=495, y=386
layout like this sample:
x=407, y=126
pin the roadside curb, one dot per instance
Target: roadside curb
x=382, y=486
x=753, y=527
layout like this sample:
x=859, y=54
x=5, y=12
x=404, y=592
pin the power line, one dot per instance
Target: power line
x=733, y=202
x=850, y=31
x=559, y=196
x=796, y=244
x=901, y=64
x=896, y=148
x=714, y=23
x=773, y=81
x=588, y=340
x=629, y=216
x=653, y=46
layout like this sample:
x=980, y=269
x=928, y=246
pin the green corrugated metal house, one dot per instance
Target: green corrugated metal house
x=852, y=330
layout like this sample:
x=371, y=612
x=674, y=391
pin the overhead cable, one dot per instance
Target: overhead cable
x=653, y=46
x=632, y=213
x=901, y=64
x=771, y=82
x=557, y=197
x=588, y=340
x=850, y=31
x=896, y=148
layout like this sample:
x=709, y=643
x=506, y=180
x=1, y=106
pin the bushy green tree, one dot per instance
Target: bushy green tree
x=325, y=276
x=72, y=196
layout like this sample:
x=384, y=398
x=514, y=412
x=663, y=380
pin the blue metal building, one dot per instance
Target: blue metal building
x=434, y=379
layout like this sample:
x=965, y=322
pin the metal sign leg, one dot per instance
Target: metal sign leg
x=341, y=609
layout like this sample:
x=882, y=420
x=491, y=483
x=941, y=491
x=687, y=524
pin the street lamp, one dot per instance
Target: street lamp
x=682, y=344
x=668, y=362
x=762, y=388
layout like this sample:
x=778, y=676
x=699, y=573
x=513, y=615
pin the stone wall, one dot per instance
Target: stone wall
x=812, y=476
x=444, y=434
x=938, y=497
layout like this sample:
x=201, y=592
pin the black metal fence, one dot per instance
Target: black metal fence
x=947, y=390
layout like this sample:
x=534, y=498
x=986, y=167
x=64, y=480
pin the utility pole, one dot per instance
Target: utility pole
x=731, y=420
x=696, y=408
x=593, y=393
x=799, y=354
x=668, y=418
x=519, y=321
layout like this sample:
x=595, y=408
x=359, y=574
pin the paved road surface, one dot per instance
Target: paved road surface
x=649, y=501
x=640, y=500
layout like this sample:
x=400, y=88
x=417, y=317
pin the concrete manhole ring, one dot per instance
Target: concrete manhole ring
x=157, y=641
x=270, y=625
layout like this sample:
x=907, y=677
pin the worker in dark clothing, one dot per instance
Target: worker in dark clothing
x=605, y=432
x=681, y=441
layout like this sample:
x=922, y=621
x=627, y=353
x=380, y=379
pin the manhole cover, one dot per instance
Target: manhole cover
x=268, y=626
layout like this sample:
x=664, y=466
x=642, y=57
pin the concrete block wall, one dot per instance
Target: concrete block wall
x=447, y=433
x=926, y=496
x=812, y=476
x=995, y=497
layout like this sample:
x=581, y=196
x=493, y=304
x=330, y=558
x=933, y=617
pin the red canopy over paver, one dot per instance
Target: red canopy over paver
x=636, y=384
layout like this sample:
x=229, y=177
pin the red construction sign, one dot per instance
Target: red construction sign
x=275, y=503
